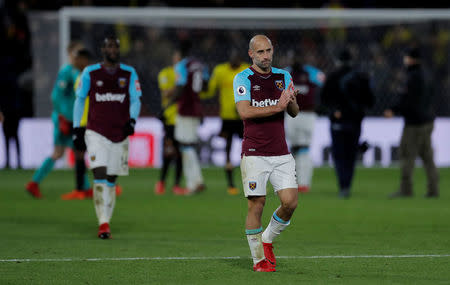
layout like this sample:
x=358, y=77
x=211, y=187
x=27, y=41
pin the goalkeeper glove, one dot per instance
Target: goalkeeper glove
x=128, y=129
x=64, y=125
x=78, y=138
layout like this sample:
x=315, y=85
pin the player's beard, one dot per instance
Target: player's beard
x=265, y=66
x=113, y=59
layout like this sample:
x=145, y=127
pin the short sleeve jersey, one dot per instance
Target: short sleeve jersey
x=83, y=121
x=166, y=81
x=190, y=74
x=109, y=95
x=262, y=136
x=222, y=79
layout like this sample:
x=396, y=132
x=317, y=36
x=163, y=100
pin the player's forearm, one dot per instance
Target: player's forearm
x=250, y=112
x=135, y=108
x=293, y=109
x=78, y=109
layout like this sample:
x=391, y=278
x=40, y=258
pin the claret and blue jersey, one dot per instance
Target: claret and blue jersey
x=113, y=99
x=190, y=74
x=262, y=136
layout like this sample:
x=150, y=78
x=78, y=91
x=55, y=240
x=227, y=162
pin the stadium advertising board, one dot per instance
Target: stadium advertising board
x=145, y=146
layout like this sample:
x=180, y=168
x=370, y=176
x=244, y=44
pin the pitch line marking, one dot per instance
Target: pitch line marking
x=220, y=258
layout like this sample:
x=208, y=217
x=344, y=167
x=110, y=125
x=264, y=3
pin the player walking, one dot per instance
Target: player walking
x=191, y=75
x=171, y=147
x=262, y=93
x=113, y=89
x=63, y=98
x=299, y=130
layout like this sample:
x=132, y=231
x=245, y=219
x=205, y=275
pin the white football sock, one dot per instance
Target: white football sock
x=110, y=201
x=304, y=167
x=191, y=168
x=104, y=201
x=255, y=244
x=274, y=228
x=99, y=188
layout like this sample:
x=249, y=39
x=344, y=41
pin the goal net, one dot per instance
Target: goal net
x=377, y=39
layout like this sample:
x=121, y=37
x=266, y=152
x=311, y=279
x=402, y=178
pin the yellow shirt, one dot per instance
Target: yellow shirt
x=222, y=80
x=83, y=121
x=166, y=82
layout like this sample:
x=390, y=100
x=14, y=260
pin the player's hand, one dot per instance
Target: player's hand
x=337, y=114
x=287, y=96
x=388, y=113
x=128, y=129
x=78, y=138
x=65, y=126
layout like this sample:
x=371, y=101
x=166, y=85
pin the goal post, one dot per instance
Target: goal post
x=237, y=18
x=377, y=37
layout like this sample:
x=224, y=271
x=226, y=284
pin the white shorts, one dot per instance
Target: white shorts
x=299, y=130
x=186, y=129
x=103, y=152
x=256, y=170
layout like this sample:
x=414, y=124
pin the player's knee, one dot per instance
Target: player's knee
x=300, y=149
x=57, y=154
x=290, y=205
x=79, y=155
x=99, y=172
x=111, y=178
x=256, y=204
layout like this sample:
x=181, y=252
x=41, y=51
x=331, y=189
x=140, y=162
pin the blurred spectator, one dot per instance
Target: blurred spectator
x=16, y=65
x=416, y=108
x=347, y=95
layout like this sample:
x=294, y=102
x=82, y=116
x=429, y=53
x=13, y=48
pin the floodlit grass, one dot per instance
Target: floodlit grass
x=58, y=236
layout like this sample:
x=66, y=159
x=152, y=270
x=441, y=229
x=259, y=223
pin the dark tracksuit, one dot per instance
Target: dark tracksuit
x=348, y=91
x=416, y=108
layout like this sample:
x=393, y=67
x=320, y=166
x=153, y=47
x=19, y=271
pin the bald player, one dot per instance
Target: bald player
x=262, y=94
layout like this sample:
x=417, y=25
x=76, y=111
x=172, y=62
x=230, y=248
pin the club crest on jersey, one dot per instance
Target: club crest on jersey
x=252, y=185
x=279, y=84
x=241, y=90
x=122, y=82
x=92, y=157
x=99, y=83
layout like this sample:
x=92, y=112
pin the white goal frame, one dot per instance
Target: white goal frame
x=234, y=18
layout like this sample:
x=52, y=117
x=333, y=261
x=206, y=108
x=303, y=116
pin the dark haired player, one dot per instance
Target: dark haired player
x=113, y=89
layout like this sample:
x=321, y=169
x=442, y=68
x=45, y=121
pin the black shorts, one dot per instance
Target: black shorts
x=169, y=131
x=169, y=134
x=231, y=127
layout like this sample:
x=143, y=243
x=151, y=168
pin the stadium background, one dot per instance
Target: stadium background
x=377, y=44
x=200, y=240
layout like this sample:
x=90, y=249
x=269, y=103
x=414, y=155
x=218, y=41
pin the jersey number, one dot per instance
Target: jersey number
x=197, y=81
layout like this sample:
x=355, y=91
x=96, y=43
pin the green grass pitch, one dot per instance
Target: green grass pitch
x=367, y=239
